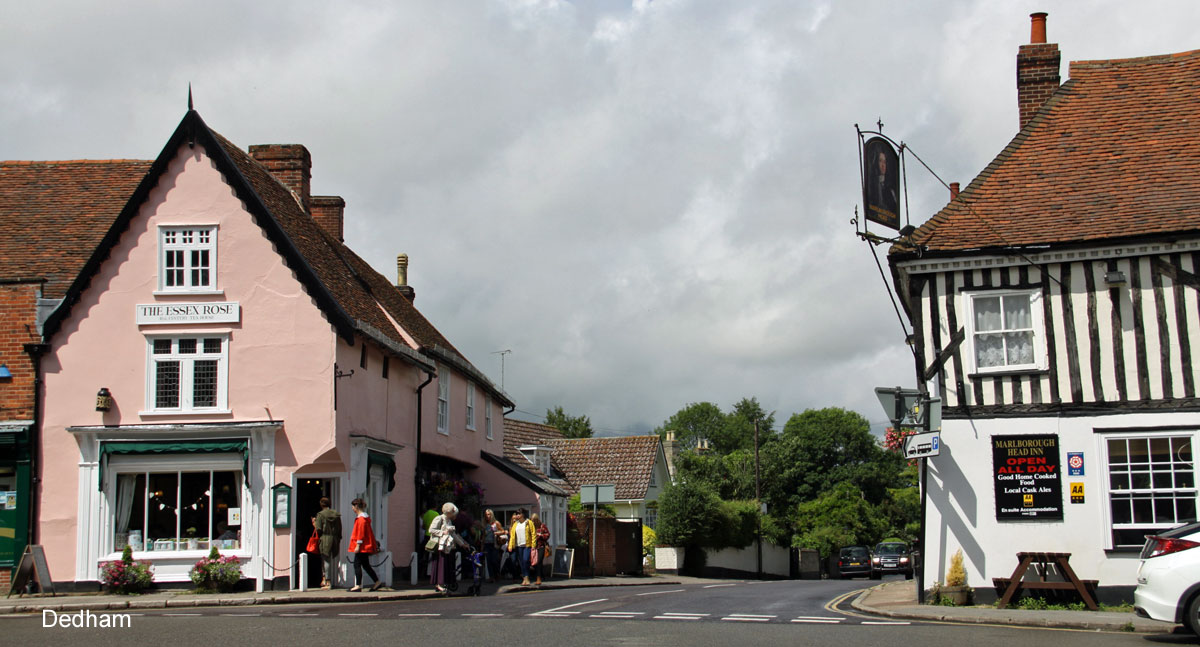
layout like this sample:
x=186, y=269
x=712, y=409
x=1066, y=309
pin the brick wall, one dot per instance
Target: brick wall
x=608, y=562
x=18, y=326
x=5, y=579
x=1037, y=77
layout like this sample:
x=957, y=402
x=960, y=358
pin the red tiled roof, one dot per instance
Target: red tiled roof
x=519, y=433
x=1111, y=155
x=624, y=461
x=53, y=214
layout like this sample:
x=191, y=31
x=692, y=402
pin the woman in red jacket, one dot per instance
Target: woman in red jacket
x=363, y=545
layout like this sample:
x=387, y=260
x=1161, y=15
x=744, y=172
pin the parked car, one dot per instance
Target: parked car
x=854, y=560
x=892, y=557
x=1168, y=577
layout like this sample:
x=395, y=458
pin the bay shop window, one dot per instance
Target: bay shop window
x=165, y=511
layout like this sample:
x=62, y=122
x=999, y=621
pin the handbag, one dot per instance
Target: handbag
x=432, y=544
x=314, y=544
x=546, y=551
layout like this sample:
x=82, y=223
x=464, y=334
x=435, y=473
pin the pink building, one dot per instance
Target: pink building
x=254, y=364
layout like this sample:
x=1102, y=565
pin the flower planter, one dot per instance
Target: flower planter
x=957, y=595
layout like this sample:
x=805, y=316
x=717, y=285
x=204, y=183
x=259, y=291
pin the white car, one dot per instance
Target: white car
x=1168, y=577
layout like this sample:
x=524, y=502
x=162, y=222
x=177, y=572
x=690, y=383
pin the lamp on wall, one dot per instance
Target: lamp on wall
x=104, y=400
x=5, y=374
x=1114, y=278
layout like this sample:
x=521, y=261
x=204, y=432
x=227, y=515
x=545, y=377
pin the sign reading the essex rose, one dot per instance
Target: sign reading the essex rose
x=170, y=313
x=1028, y=479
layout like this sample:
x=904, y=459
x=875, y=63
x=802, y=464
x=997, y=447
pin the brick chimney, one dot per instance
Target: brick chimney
x=402, y=278
x=1037, y=70
x=953, y=190
x=291, y=164
x=328, y=211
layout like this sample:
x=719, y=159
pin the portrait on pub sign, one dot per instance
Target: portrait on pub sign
x=881, y=175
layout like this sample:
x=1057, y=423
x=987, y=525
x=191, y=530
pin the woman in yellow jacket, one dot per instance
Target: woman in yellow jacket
x=521, y=538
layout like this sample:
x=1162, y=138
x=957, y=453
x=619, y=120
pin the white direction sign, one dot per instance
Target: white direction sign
x=923, y=445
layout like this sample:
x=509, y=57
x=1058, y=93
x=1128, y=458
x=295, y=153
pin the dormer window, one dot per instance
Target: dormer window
x=539, y=455
x=187, y=259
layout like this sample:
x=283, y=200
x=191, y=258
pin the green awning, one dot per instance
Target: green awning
x=217, y=446
x=386, y=462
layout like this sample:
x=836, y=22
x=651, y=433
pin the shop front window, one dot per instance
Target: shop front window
x=172, y=511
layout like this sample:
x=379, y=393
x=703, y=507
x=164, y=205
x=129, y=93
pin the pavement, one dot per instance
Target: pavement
x=897, y=599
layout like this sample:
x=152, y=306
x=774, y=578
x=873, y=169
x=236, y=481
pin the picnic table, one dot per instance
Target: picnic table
x=1008, y=587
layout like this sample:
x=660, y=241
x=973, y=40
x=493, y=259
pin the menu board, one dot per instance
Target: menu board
x=1028, y=482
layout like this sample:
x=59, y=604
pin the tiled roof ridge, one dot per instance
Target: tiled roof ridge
x=1152, y=59
x=75, y=161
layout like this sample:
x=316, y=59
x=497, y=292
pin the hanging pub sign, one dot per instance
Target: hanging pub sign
x=881, y=182
x=1028, y=479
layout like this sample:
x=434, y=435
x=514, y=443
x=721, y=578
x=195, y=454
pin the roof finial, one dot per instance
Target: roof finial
x=189, y=97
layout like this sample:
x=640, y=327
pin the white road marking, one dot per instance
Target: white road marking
x=814, y=621
x=622, y=613
x=612, y=615
x=685, y=615
x=714, y=586
x=483, y=615
x=242, y=615
x=661, y=592
x=750, y=615
x=743, y=619
x=296, y=615
x=181, y=614
x=558, y=610
x=358, y=615
x=876, y=622
x=835, y=619
x=418, y=615
x=676, y=617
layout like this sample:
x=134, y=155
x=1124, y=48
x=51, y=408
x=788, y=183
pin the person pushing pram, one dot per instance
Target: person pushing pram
x=442, y=530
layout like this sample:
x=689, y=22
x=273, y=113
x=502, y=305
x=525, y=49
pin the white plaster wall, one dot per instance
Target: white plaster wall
x=775, y=560
x=961, y=509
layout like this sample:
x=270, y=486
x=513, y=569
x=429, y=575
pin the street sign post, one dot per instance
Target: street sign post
x=923, y=445
x=595, y=495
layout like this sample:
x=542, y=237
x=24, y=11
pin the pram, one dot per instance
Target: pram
x=469, y=568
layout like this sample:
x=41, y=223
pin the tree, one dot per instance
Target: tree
x=693, y=422
x=685, y=511
x=739, y=426
x=839, y=517
x=570, y=426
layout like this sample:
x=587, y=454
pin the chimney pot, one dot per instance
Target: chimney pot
x=402, y=278
x=1037, y=71
x=953, y=190
x=1037, y=30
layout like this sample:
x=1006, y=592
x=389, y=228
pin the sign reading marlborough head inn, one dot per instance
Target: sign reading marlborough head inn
x=1028, y=483
x=167, y=313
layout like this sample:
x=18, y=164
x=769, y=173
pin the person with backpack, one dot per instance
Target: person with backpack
x=328, y=523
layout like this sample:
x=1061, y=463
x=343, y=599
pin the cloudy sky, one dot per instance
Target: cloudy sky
x=648, y=203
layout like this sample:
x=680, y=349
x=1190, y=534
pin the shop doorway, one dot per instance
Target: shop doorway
x=309, y=491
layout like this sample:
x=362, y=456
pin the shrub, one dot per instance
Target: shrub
x=126, y=576
x=649, y=541
x=957, y=575
x=216, y=573
x=685, y=514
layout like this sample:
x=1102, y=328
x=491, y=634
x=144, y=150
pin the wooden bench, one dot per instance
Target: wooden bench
x=1008, y=588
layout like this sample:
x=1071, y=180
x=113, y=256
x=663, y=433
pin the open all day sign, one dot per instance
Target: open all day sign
x=1028, y=478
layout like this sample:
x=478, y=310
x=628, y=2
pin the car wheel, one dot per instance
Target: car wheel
x=876, y=575
x=1192, y=618
x=908, y=575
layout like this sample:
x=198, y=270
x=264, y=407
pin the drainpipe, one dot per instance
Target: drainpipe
x=417, y=468
x=35, y=354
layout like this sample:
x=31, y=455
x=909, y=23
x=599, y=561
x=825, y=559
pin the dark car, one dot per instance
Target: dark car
x=854, y=560
x=892, y=557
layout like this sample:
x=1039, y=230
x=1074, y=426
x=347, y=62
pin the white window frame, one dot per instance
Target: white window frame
x=1107, y=486
x=443, y=403
x=1038, y=326
x=175, y=240
x=471, y=406
x=186, y=376
x=487, y=416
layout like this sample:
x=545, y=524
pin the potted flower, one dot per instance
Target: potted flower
x=192, y=542
x=126, y=576
x=956, y=590
x=216, y=573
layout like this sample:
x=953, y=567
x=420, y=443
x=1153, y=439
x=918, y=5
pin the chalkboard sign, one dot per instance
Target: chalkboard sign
x=33, y=564
x=564, y=561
